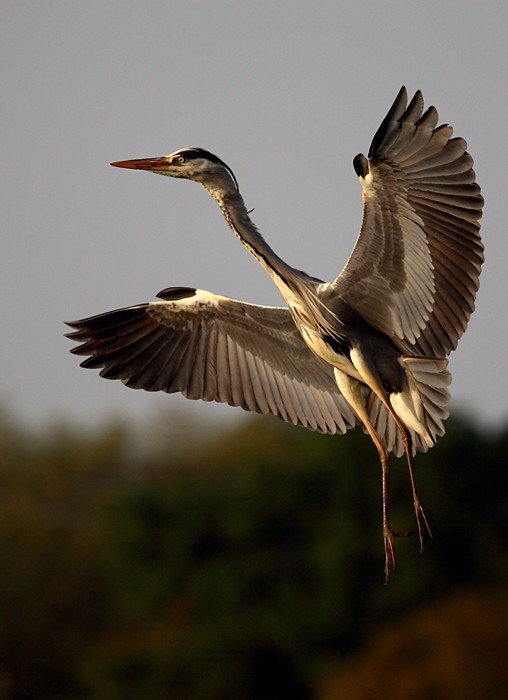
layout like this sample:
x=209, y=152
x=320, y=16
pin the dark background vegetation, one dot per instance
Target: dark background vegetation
x=246, y=563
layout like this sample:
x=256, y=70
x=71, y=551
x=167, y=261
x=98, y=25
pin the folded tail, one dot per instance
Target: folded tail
x=422, y=405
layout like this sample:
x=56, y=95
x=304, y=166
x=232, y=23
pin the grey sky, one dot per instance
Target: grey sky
x=286, y=93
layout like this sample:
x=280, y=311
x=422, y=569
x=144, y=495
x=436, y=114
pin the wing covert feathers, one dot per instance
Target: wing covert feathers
x=216, y=349
x=414, y=271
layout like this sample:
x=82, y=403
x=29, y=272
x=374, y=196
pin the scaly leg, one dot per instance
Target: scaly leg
x=351, y=391
x=422, y=522
x=372, y=379
x=388, y=534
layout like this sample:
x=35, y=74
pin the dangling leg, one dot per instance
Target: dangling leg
x=372, y=379
x=388, y=534
x=422, y=523
x=351, y=390
x=424, y=530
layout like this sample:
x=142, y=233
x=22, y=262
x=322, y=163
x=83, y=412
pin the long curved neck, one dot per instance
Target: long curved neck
x=235, y=212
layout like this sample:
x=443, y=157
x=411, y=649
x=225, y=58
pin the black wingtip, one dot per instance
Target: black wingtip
x=73, y=335
x=361, y=165
x=401, y=97
x=415, y=107
x=395, y=112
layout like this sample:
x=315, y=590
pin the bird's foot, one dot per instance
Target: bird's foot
x=424, y=530
x=390, y=556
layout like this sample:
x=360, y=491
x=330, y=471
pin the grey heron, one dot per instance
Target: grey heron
x=370, y=347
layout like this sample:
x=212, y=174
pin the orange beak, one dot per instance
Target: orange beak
x=160, y=163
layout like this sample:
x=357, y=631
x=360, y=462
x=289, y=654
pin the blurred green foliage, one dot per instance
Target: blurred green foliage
x=246, y=564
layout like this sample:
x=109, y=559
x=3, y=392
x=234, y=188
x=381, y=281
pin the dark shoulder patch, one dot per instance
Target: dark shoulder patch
x=339, y=345
x=175, y=293
x=361, y=165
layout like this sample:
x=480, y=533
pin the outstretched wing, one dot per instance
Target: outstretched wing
x=413, y=273
x=217, y=349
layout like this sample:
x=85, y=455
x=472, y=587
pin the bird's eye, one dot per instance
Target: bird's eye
x=180, y=159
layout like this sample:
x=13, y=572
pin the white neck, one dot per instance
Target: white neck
x=235, y=212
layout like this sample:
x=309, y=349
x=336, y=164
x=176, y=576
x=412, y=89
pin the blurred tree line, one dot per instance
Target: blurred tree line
x=246, y=563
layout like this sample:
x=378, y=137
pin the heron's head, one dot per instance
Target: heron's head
x=190, y=163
